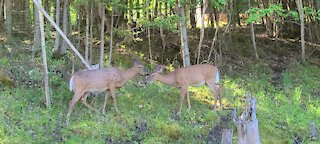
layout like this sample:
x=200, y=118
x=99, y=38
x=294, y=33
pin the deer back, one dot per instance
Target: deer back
x=196, y=74
x=94, y=80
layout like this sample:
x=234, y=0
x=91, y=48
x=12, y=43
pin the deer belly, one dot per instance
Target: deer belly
x=199, y=83
x=97, y=89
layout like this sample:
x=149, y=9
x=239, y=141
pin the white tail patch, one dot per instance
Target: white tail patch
x=71, y=84
x=218, y=77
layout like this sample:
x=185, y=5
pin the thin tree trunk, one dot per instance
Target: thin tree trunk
x=27, y=13
x=62, y=34
x=91, y=34
x=267, y=19
x=102, y=36
x=213, y=42
x=1, y=13
x=57, y=40
x=86, y=54
x=253, y=38
x=149, y=43
x=204, y=7
x=39, y=20
x=149, y=34
x=184, y=36
x=301, y=15
x=63, y=47
x=111, y=37
x=163, y=40
x=156, y=9
x=192, y=15
x=37, y=38
x=8, y=17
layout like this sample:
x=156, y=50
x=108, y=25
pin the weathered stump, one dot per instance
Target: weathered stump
x=247, y=123
x=227, y=135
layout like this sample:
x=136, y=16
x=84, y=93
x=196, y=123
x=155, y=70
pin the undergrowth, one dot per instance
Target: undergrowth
x=147, y=114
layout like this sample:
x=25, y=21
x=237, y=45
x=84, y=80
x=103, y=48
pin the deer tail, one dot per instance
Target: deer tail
x=71, y=83
x=217, y=77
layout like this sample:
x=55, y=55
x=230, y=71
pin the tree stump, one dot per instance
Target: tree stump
x=247, y=123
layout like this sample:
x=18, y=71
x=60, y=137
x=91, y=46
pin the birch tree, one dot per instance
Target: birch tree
x=57, y=40
x=301, y=16
x=8, y=22
x=40, y=21
x=184, y=35
x=102, y=35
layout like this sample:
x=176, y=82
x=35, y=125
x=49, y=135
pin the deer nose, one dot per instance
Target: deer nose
x=145, y=70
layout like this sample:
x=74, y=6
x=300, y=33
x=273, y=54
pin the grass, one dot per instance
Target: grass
x=147, y=113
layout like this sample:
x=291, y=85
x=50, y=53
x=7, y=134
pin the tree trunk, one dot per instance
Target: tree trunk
x=27, y=13
x=91, y=34
x=111, y=37
x=301, y=15
x=8, y=17
x=247, y=123
x=253, y=38
x=57, y=40
x=1, y=13
x=184, y=35
x=204, y=7
x=86, y=54
x=213, y=42
x=267, y=19
x=163, y=40
x=155, y=9
x=39, y=20
x=102, y=36
x=36, y=38
x=149, y=33
x=64, y=47
x=62, y=34
x=192, y=14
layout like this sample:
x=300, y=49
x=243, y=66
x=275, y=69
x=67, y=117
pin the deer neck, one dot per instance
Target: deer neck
x=167, y=78
x=129, y=74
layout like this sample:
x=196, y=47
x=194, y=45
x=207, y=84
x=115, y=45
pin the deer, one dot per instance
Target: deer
x=100, y=80
x=184, y=77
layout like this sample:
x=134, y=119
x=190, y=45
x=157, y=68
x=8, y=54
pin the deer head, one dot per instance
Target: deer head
x=154, y=74
x=139, y=67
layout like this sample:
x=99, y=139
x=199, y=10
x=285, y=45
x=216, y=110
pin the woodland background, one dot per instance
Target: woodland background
x=268, y=48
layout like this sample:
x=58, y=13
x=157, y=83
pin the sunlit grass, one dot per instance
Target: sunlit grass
x=283, y=114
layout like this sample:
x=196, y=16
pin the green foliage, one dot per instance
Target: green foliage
x=255, y=13
x=4, y=62
x=168, y=22
x=218, y=4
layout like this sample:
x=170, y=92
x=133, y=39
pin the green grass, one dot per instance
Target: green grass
x=282, y=114
x=147, y=113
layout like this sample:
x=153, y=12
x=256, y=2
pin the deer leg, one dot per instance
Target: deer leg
x=77, y=95
x=183, y=92
x=105, y=101
x=214, y=92
x=84, y=102
x=188, y=100
x=113, y=94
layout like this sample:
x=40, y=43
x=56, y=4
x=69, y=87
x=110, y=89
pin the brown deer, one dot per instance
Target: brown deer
x=190, y=76
x=100, y=80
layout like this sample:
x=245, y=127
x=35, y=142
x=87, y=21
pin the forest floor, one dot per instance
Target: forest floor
x=287, y=92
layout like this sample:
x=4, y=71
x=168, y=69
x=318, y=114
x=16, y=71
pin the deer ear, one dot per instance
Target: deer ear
x=136, y=61
x=160, y=68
